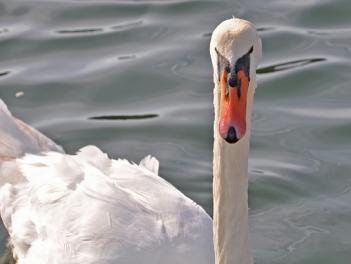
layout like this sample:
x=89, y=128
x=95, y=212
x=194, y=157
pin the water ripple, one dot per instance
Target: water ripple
x=261, y=29
x=322, y=113
x=93, y=30
x=4, y=30
x=12, y=30
x=127, y=57
x=127, y=25
x=207, y=34
x=4, y=73
x=78, y=31
x=123, y=117
x=288, y=65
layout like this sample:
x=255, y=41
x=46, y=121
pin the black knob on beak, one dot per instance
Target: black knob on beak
x=231, y=135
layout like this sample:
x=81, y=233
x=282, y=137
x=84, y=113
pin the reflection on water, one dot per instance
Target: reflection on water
x=75, y=61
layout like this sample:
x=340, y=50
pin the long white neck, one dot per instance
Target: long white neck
x=230, y=193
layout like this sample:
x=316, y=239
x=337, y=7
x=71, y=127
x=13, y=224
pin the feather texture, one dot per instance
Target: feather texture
x=88, y=208
x=18, y=138
x=72, y=209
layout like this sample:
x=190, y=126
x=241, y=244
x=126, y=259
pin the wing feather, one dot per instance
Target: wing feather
x=150, y=163
x=18, y=138
x=87, y=208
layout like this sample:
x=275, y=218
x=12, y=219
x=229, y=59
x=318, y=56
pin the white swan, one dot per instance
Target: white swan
x=88, y=208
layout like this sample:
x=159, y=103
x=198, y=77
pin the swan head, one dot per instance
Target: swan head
x=235, y=50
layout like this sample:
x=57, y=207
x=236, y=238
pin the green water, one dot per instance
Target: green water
x=134, y=77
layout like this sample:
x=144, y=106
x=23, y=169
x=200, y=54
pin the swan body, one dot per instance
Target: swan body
x=89, y=208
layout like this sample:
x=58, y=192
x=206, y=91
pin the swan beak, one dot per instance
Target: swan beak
x=233, y=99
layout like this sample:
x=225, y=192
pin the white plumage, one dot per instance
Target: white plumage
x=88, y=208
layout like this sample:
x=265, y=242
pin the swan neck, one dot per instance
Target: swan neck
x=230, y=196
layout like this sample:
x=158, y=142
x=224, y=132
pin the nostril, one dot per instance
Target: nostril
x=231, y=135
x=233, y=81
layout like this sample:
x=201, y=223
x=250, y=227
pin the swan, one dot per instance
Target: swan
x=89, y=208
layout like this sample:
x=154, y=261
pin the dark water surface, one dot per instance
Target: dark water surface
x=134, y=77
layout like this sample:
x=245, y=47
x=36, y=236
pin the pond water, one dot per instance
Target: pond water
x=134, y=77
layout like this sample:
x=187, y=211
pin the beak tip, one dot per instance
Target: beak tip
x=231, y=141
x=231, y=136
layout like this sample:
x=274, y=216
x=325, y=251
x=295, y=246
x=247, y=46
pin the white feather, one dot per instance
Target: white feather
x=150, y=163
x=18, y=138
x=88, y=208
x=80, y=214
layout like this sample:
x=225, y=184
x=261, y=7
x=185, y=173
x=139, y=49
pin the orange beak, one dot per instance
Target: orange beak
x=233, y=96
